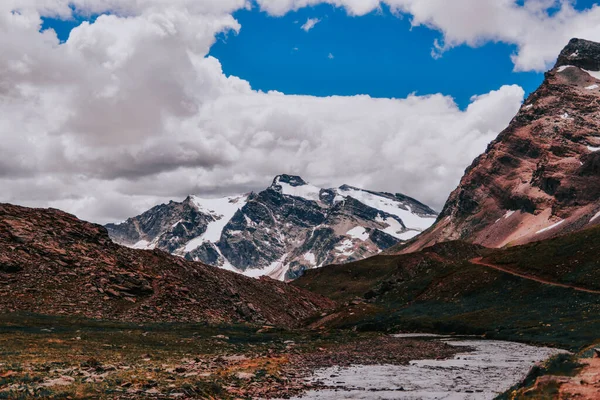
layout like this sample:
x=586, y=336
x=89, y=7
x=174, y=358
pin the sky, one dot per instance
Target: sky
x=108, y=107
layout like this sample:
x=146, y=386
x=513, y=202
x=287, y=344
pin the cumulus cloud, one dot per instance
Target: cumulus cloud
x=130, y=112
x=309, y=24
x=538, y=33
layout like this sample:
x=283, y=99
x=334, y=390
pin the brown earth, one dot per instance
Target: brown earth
x=54, y=264
x=541, y=177
x=585, y=385
x=58, y=358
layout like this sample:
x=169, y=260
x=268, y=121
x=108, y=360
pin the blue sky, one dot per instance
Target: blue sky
x=378, y=54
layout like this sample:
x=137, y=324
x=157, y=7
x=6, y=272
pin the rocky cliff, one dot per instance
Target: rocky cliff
x=541, y=177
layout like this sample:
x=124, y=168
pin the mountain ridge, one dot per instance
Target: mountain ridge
x=281, y=231
x=540, y=177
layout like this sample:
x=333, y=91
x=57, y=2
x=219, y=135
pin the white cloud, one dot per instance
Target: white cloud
x=538, y=34
x=309, y=24
x=130, y=112
x=331, y=56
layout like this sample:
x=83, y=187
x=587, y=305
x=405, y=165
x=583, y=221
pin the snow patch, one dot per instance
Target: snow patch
x=345, y=248
x=550, y=227
x=277, y=270
x=389, y=206
x=222, y=211
x=593, y=74
x=592, y=87
x=562, y=68
x=593, y=149
x=359, y=233
x=308, y=192
x=396, y=229
x=528, y=106
x=144, y=245
x=507, y=215
x=595, y=217
x=310, y=257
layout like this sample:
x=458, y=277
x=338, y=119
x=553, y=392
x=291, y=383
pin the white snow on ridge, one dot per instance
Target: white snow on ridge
x=593, y=74
x=595, y=217
x=276, y=270
x=411, y=221
x=222, y=210
x=359, y=233
x=550, y=227
x=144, y=245
x=562, y=68
x=592, y=87
x=594, y=149
x=308, y=192
x=396, y=229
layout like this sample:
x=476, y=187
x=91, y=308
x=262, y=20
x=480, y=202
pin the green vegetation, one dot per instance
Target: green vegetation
x=572, y=259
x=440, y=291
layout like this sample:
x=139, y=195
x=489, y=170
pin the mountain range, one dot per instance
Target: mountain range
x=280, y=232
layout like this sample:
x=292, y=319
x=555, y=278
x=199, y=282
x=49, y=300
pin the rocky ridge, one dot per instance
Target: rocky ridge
x=541, y=177
x=52, y=263
x=280, y=232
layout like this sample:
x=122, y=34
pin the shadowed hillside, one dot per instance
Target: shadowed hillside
x=440, y=289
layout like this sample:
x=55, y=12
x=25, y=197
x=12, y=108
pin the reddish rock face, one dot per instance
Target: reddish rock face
x=541, y=176
x=52, y=263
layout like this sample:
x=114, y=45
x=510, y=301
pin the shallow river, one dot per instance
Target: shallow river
x=490, y=369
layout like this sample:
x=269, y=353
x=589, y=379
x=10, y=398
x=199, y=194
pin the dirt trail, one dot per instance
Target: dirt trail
x=479, y=261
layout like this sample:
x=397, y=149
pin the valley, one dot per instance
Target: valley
x=298, y=291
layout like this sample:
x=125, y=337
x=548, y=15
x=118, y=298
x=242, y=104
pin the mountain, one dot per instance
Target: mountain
x=544, y=292
x=280, y=232
x=51, y=263
x=541, y=177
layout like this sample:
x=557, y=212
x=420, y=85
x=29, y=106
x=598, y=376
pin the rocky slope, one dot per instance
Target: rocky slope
x=541, y=177
x=52, y=263
x=287, y=228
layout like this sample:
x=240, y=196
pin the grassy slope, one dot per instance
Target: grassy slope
x=440, y=290
x=572, y=259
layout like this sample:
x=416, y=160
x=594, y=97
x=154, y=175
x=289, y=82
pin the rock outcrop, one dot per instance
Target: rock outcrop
x=541, y=177
x=52, y=263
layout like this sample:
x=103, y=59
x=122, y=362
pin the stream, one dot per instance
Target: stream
x=491, y=368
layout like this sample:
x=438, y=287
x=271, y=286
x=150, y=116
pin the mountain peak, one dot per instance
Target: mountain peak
x=539, y=178
x=291, y=180
x=580, y=53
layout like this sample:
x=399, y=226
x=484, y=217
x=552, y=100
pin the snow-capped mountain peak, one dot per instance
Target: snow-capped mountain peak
x=281, y=231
